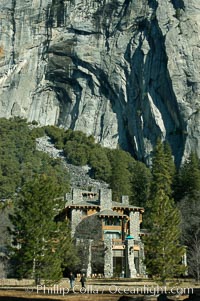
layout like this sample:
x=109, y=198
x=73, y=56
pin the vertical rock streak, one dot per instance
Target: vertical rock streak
x=14, y=31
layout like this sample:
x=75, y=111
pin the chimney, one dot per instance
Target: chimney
x=105, y=197
x=125, y=200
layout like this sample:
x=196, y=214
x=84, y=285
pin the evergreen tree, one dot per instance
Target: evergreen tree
x=120, y=180
x=169, y=161
x=163, y=169
x=101, y=167
x=188, y=183
x=162, y=245
x=163, y=250
x=140, y=184
x=19, y=157
x=42, y=242
x=76, y=153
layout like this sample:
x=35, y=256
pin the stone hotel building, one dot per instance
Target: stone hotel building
x=107, y=232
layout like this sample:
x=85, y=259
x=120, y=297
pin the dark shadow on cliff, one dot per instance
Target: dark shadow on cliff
x=153, y=83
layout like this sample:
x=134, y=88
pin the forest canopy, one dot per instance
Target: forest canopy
x=20, y=160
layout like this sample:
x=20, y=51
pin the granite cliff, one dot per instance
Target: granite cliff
x=125, y=71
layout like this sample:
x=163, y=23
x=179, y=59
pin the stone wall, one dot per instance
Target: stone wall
x=108, y=258
x=142, y=267
x=3, y=267
x=76, y=195
x=135, y=224
x=129, y=255
x=88, y=234
x=76, y=217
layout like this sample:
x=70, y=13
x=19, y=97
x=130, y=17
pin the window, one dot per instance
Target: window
x=110, y=221
x=112, y=235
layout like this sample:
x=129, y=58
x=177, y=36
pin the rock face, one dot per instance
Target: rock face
x=125, y=71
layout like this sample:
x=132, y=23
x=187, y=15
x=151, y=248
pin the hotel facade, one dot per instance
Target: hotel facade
x=107, y=233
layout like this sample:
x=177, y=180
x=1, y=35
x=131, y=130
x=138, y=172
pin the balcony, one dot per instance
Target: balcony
x=118, y=244
x=112, y=227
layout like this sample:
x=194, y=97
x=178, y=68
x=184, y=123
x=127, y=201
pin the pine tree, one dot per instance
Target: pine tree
x=41, y=242
x=140, y=184
x=162, y=245
x=101, y=167
x=189, y=178
x=169, y=161
x=163, y=169
x=120, y=180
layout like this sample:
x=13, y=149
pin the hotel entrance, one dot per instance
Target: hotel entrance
x=118, y=263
